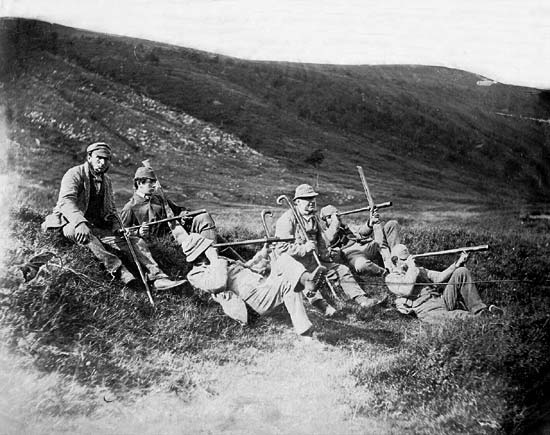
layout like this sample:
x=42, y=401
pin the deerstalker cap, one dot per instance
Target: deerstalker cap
x=194, y=245
x=400, y=251
x=304, y=191
x=143, y=172
x=103, y=149
x=327, y=210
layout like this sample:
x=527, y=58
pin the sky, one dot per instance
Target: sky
x=504, y=40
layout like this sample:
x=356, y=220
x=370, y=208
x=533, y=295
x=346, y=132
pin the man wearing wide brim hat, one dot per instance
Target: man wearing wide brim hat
x=85, y=213
x=420, y=290
x=147, y=205
x=302, y=249
x=366, y=252
x=234, y=285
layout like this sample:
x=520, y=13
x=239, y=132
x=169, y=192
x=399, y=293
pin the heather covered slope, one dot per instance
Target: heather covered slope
x=82, y=354
x=426, y=136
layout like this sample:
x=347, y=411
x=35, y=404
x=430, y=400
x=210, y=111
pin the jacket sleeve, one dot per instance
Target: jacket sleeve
x=211, y=278
x=286, y=227
x=365, y=230
x=330, y=232
x=72, y=184
x=129, y=218
x=109, y=203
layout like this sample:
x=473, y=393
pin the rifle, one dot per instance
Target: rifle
x=302, y=226
x=134, y=257
x=187, y=215
x=453, y=251
x=254, y=242
x=362, y=209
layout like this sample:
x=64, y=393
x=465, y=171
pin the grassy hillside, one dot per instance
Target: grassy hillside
x=231, y=135
x=423, y=134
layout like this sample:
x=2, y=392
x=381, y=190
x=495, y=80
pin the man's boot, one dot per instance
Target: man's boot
x=310, y=280
x=166, y=284
x=324, y=307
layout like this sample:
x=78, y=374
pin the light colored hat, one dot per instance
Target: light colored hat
x=103, y=149
x=304, y=191
x=327, y=210
x=400, y=251
x=194, y=245
x=143, y=172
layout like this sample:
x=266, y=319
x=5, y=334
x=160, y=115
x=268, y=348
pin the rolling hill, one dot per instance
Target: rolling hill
x=230, y=131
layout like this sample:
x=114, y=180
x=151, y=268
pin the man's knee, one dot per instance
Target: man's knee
x=462, y=272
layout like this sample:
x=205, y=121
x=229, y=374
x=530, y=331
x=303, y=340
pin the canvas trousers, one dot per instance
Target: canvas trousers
x=372, y=257
x=459, y=292
x=280, y=288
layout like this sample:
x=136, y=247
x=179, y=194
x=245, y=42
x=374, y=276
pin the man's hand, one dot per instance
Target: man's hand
x=310, y=246
x=82, y=233
x=144, y=231
x=462, y=259
x=410, y=262
x=374, y=218
x=211, y=254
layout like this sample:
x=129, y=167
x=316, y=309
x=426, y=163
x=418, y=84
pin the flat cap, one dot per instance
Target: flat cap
x=103, y=149
x=304, y=191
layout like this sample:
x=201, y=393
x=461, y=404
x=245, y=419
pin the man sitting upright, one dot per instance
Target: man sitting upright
x=146, y=205
x=367, y=252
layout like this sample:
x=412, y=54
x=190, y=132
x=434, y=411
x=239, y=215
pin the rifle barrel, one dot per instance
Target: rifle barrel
x=254, y=241
x=170, y=219
x=362, y=209
x=453, y=251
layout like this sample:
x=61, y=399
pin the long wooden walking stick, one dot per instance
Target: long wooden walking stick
x=302, y=227
x=132, y=250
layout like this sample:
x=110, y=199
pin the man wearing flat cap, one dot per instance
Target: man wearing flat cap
x=435, y=296
x=146, y=205
x=86, y=214
x=235, y=286
x=302, y=249
x=368, y=251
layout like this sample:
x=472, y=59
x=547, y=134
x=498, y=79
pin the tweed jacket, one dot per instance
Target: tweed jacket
x=74, y=197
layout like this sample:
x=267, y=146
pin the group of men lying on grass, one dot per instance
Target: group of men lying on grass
x=323, y=252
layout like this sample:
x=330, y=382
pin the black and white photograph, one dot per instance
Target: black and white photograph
x=294, y=217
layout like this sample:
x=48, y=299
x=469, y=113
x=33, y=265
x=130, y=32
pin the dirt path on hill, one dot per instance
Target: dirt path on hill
x=303, y=389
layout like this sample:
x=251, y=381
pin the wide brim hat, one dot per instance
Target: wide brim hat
x=194, y=245
x=305, y=191
x=327, y=210
x=400, y=251
x=101, y=148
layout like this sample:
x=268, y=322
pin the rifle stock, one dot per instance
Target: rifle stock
x=453, y=251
